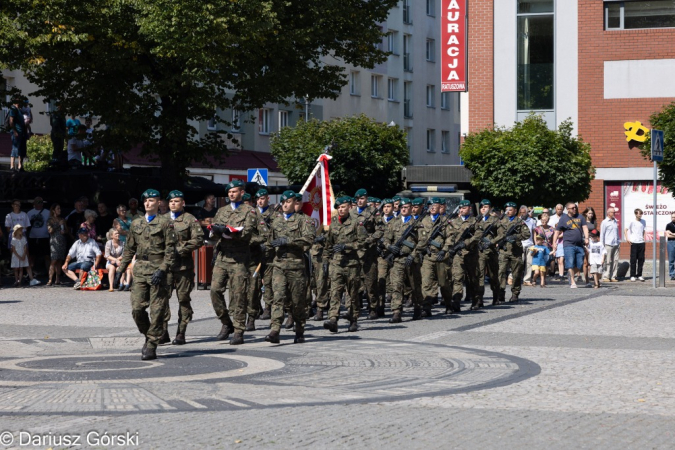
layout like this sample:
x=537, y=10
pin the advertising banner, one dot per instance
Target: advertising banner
x=640, y=194
x=613, y=197
x=453, y=46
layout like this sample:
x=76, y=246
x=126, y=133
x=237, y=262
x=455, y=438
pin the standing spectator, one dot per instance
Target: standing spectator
x=206, y=213
x=73, y=125
x=547, y=231
x=16, y=217
x=38, y=238
x=555, y=218
x=559, y=254
x=544, y=211
x=20, y=257
x=58, y=134
x=75, y=218
x=103, y=222
x=27, y=117
x=589, y=215
x=57, y=244
x=527, y=243
x=596, y=257
x=575, y=239
x=79, y=148
x=90, y=223
x=121, y=223
x=114, y=249
x=85, y=252
x=132, y=212
x=17, y=126
x=635, y=234
x=670, y=235
x=609, y=238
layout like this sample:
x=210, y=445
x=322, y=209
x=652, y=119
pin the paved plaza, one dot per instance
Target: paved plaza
x=564, y=368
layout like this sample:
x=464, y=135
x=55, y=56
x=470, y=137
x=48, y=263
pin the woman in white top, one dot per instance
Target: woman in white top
x=114, y=249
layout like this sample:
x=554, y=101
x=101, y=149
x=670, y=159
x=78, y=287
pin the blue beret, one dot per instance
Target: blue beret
x=464, y=203
x=435, y=201
x=485, y=202
x=388, y=201
x=405, y=201
x=510, y=205
x=246, y=197
x=418, y=201
x=235, y=184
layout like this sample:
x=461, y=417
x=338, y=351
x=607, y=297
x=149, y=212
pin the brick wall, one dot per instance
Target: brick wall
x=481, y=64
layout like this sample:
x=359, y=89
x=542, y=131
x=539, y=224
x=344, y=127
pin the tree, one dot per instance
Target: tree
x=39, y=150
x=664, y=120
x=529, y=163
x=150, y=68
x=366, y=154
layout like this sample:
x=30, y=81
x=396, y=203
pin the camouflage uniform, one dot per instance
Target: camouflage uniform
x=511, y=255
x=465, y=261
x=383, y=269
x=321, y=280
x=233, y=256
x=488, y=258
x=370, y=235
x=181, y=277
x=264, y=278
x=399, y=272
x=154, y=245
x=289, y=278
x=434, y=272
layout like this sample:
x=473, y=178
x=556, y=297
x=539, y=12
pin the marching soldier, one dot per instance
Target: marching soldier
x=321, y=279
x=340, y=251
x=267, y=255
x=291, y=236
x=511, y=234
x=488, y=256
x=397, y=205
x=255, y=266
x=189, y=237
x=366, y=217
x=235, y=225
x=383, y=280
x=465, y=261
x=152, y=240
x=433, y=246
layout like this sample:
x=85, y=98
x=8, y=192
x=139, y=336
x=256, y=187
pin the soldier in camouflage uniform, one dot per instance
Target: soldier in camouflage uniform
x=235, y=224
x=397, y=205
x=152, y=240
x=265, y=216
x=511, y=234
x=488, y=257
x=259, y=253
x=340, y=253
x=383, y=279
x=366, y=216
x=404, y=257
x=291, y=236
x=433, y=248
x=189, y=237
x=465, y=261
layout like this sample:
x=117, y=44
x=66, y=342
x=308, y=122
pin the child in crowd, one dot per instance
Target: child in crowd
x=540, y=254
x=596, y=257
x=20, y=257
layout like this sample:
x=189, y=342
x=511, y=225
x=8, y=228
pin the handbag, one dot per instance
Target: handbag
x=91, y=281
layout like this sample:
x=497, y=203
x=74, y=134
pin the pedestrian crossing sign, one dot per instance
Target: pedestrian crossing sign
x=257, y=176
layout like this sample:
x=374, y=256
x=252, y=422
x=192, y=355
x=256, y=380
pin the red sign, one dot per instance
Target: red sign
x=453, y=45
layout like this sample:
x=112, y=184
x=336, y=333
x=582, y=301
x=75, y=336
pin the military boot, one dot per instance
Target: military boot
x=331, y=325
x=408, y=302
x=148, y=353
x=319, y=315
x=273, y=337
x=455, y=305
x=267, y=313
x=165, y=339
x=514, y=298
x=179, y=340
x=417, y=313
x=426, y=312
x=299, y=337
x=237, y=338
x=289, y=322
x=250, y=324
x=475, y=304
x=502, y=296
x=353, y=327
x=495, y=298
x=387, y=298
x=396, y=318
x=373, y=315
x=225, y=332
x=480, y=302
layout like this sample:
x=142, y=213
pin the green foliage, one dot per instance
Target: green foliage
x=529, y=163
x=664, y=120
x=150, y=69
x=366, y=154
x=39, y=149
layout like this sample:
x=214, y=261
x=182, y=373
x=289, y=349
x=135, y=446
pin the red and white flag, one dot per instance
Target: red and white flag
x=318, y=194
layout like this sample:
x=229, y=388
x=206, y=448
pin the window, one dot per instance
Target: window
x=392, y=38
x=264, y=121
x=392, y=87
x=354, y=87
x=375, y=86
x=407, y=57
x=431, y=8
x=283, y=119
x=639, y=14
x=431, y=138
x=535, y=55
x=212, y=124
x=431, y=50
x=236, y=124
x=445, y=100
x=407, y=100
x=431, y=92
x=407, y=12
x=445, y=141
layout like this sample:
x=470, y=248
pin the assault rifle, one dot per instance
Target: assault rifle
x=403, y=239
x=485, y=242
x=467, y=233
x=511, y=231
x=436, y=231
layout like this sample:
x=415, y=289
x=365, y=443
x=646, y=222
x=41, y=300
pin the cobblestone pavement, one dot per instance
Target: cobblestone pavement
x=585, y=368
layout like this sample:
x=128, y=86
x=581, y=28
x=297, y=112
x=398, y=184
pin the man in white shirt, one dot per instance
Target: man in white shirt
x=77, y=146
x=609, y=238
x=38, y=239
x=85, y=252
x=555, y=218
x=635, y=234
x=527, y=243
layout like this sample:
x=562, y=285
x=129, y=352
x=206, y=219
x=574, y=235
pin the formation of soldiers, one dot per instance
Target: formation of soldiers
x=399, y=251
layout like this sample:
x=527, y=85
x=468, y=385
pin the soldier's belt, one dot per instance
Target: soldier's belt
x=154, y=258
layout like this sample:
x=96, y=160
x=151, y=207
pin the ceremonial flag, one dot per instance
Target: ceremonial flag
x=317, y=194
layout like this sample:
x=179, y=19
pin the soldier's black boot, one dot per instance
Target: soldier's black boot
x=495, y=298
x=455, y=304
x=299, y=337
x=426, y=312
x=319, y=315
x=225, y=332
x=396, y=318
x=148, y=353
x=250, y=324
x=289, y=322
x=408, y=302
x=237, y=338
x=165, y=339
x=417, y=313
x=353, y=327
x=373, y=315
x=475, y=304
x=502, y=296
x=273, y=337
x=331, y=325
x=179, y=340
x=514, y=298
x=267, y=313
